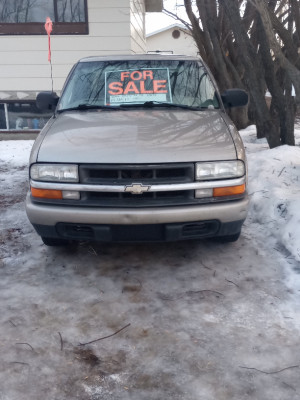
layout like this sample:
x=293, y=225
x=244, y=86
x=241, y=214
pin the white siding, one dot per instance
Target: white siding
x=137, y=26
x=115, y=27
x=164, y=41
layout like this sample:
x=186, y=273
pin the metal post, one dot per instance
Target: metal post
x=6, y=116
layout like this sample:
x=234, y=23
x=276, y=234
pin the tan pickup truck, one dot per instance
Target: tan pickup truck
x=139, y=148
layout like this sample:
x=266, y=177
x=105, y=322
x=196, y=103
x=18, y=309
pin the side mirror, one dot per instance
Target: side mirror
x=235, y=98
x=46, y=101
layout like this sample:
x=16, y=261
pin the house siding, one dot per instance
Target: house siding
x=164, y=41
x=137, y=26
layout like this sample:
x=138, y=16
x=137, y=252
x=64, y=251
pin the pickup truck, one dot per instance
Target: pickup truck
x=139, y=149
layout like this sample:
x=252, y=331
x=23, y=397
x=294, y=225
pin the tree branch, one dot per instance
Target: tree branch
x=105, y=337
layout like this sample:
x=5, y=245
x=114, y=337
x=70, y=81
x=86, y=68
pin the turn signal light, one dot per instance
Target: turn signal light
x=229, y=190
x=46, y=193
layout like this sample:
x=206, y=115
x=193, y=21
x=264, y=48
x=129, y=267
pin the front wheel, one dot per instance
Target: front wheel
x=54, y=242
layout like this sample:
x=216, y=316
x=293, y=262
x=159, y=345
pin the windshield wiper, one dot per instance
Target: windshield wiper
x=83, y=107
x=146, y=104
x=150, y=104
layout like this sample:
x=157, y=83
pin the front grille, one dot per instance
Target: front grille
x=99, y=174
x=154, y=174
x=139, y=200
x=130, y=176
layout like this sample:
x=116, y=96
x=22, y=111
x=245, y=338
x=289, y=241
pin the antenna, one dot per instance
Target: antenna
x=51, y=76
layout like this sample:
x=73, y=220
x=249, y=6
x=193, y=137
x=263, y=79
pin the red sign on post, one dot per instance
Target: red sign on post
x=48, y=27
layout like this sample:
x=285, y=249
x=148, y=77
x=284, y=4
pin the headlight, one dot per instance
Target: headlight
x=54, y=172
x=219, y=170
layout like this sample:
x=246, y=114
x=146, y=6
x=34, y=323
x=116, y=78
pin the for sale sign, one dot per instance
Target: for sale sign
x=137, y=86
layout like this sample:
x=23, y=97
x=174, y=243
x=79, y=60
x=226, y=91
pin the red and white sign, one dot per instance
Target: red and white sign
x=48, y=27
x=137, y=86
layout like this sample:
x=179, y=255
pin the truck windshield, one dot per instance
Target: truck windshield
x=130, y=83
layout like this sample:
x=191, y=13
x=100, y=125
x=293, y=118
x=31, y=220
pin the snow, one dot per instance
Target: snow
x=274, y=188
x=15, y=153
x=207, y=320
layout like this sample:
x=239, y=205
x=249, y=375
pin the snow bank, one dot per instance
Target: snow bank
x=274, y=188
x=15, y=152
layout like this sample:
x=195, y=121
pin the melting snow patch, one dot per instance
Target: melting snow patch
x=105, y=387
x=93, y=390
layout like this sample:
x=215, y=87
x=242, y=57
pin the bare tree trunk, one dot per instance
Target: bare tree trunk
x=255, y=49
x=290, y=69
x=288, y=118
x=239, y=116
x=251, y=61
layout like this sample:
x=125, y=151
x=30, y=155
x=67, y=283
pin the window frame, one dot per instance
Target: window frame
x=38, y=28
x=5, y=116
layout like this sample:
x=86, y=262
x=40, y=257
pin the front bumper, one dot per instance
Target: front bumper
x=117, y=224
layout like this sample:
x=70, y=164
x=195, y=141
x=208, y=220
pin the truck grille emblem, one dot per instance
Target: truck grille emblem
x=137, y=188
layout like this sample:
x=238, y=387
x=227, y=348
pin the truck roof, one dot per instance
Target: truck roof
x=148, y=56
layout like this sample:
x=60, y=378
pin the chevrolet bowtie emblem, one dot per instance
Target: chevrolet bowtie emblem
x=137, y=188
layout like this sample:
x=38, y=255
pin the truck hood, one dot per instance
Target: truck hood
x=137, y=136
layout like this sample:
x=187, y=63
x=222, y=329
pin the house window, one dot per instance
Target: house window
x=22, y=116
x=27, y=17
